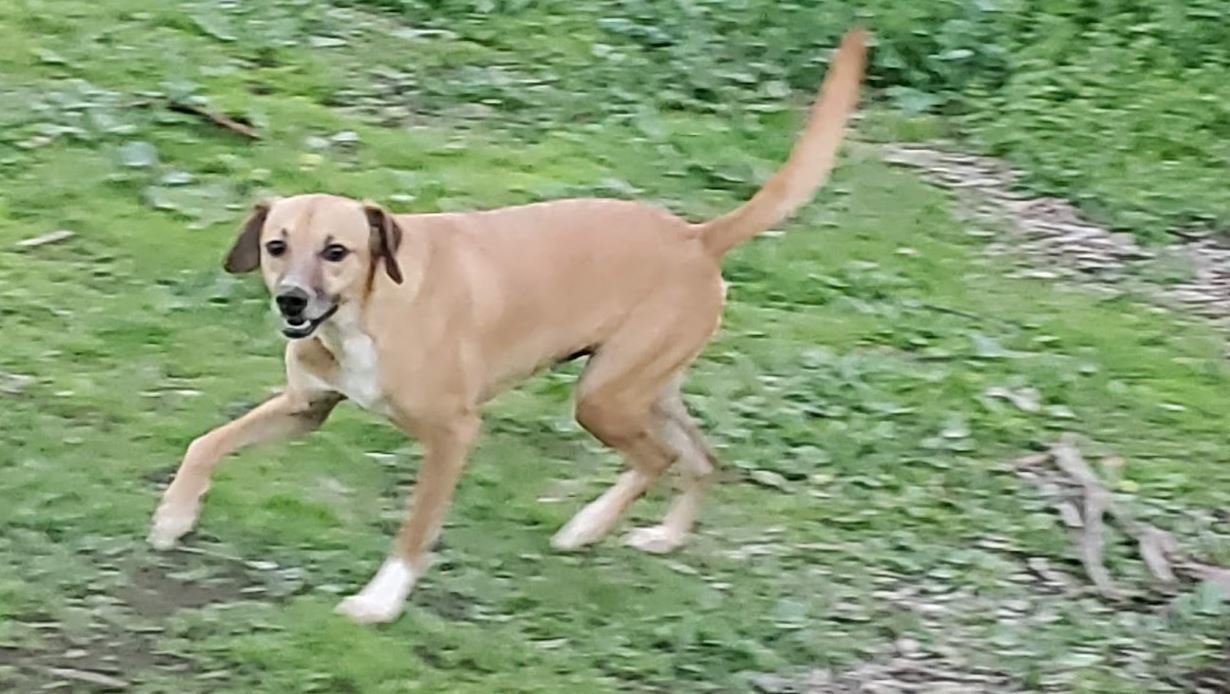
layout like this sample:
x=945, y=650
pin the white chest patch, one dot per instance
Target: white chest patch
x=358, y=372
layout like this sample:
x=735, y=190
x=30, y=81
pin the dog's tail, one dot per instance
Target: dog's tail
x=810, y=161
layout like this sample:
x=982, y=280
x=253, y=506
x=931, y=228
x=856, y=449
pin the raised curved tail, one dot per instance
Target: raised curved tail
x=810, y=161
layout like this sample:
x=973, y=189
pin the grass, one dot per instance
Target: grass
x=866, y=498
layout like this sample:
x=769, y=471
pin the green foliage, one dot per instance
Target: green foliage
x=863, y=504
x=1122, y=105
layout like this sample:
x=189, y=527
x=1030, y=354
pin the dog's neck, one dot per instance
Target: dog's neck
x=354, y=351
x=341, y=332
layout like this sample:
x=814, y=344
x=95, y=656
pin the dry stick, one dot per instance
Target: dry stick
x=1092, y=542
x=1158, y=548
x=948, y=310
x=1154, y=546
x=1088, y=536
x=215, y=117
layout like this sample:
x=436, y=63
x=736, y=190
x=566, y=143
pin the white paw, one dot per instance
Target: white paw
x=657, y=539
x=365, y=609
x=384, y=596
x=170, y=524
x=576, y=533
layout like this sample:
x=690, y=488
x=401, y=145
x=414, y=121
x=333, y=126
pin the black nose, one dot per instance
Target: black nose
x=292, y=302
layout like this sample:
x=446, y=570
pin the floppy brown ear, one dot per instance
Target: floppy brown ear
x=386, y=239
x=245, y=254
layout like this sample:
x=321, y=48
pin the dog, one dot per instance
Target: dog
x=422, y=318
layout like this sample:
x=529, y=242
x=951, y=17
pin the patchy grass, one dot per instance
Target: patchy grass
x=865, y=506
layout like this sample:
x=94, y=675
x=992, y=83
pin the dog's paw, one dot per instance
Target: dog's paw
x=170, y=524
x=366, y=609
x=383, y=598
x=656, y=539
x=575, y=534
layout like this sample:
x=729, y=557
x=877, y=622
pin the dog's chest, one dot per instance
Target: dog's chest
x=358, y=373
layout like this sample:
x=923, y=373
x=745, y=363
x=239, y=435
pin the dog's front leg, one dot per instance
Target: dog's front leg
x=445, y=445
x=286, y=414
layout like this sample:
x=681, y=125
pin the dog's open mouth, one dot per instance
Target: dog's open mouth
x=301, y=327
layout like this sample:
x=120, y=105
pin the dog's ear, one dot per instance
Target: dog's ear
x=245, y=254
x=386, y=239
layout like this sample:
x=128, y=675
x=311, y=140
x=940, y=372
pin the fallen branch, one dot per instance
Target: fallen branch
x=1083, y=502
x=214, y=117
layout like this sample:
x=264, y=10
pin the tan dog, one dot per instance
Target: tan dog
x=422, y=318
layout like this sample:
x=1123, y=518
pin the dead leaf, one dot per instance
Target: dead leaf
x=44, y=239
x=1024, y=399
x=768, y=683
x=988, y=347
x=89, y=677
x=138, y=155
x=14, y=384
x=768, y=478
x=326, y=42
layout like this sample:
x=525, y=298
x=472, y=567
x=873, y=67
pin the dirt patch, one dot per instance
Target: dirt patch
x=447, y=605
x=1059, y=242
x=904, y=674
x=119, y=646
x=186, y=581
x=101, y=659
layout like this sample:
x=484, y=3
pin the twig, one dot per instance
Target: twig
x=1091, y=542
x=1163, y=556
x=1086, y=526
x=960, y=313
x=215, y=117
x=1154, y=545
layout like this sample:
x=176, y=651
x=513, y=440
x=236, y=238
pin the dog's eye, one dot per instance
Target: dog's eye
x=333, y=252
x=275, y=247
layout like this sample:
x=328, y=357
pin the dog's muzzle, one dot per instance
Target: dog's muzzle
x=294, y=303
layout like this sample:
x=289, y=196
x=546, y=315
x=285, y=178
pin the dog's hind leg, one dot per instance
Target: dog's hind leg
x=620, y=401
x=696, y=465
x=630, y=432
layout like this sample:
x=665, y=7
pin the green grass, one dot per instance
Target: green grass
x=835, y=370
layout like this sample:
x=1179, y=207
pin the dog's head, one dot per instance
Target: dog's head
x=316, y=253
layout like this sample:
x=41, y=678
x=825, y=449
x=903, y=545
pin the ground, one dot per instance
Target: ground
x=868, y=525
